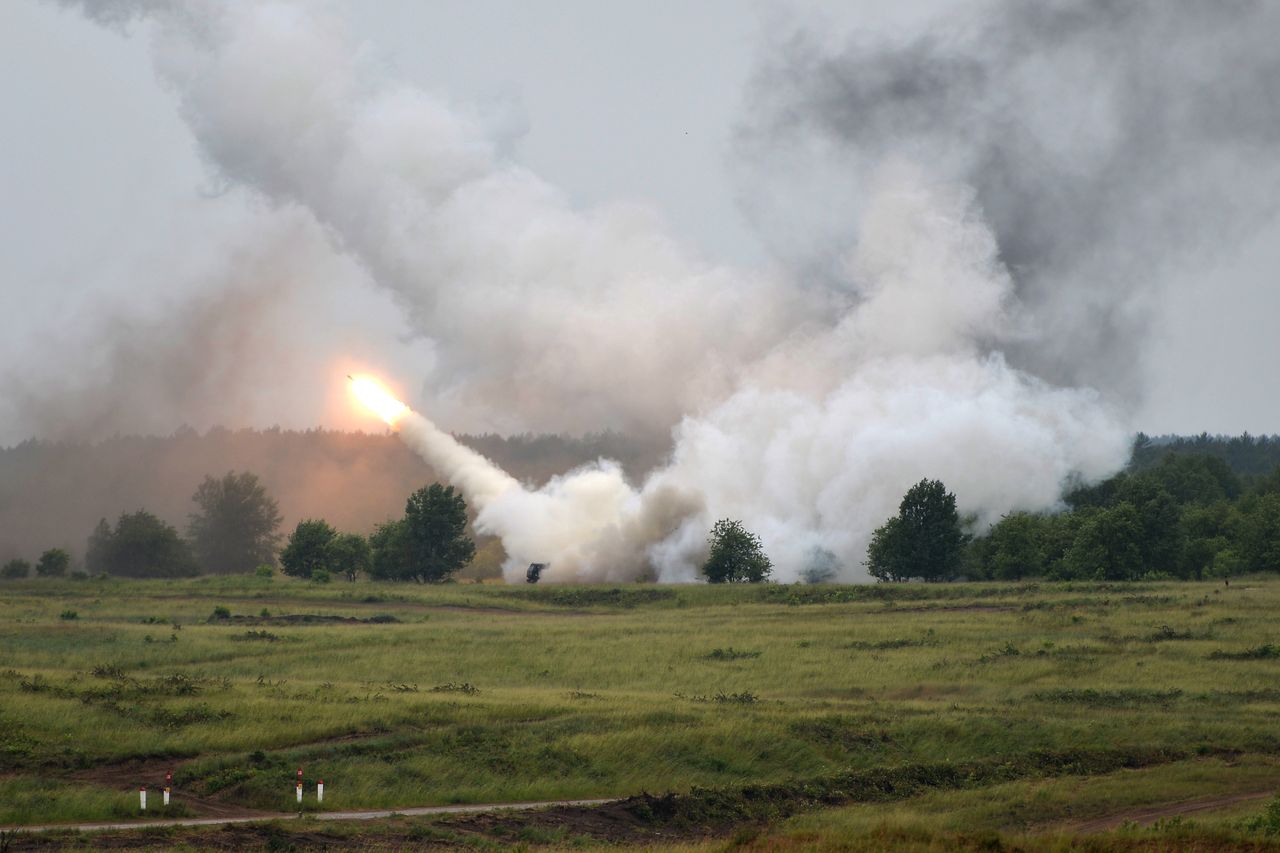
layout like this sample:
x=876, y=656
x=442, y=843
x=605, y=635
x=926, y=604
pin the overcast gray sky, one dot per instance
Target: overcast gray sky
x=100, y=181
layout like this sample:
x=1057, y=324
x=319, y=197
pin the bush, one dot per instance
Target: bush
x=321, y=576
x=140, y=546
x=68, y=615
x=264, y=571
x=53, y=563
x=731, y=654
x=1267, y=651
x=1267, y=823
x=15, y=570
x=220, y=612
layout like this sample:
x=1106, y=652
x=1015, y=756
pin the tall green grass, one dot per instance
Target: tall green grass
x=600, y=691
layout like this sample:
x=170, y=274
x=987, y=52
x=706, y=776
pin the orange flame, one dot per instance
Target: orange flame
x=377, y=399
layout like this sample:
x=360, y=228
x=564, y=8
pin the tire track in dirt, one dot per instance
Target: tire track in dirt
x=1150, y=814
x=248, y=816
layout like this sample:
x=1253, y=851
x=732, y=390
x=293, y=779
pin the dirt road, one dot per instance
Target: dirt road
x=267, y=816
x=1151, y=814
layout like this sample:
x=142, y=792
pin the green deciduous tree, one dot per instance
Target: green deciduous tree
x=1163, y=539
x=390, y=559
x=735, y=555
x=429, y=544
x=308, y=549
x=235, y=527
x=1207, y=531
x=1259, y=547
x=1107, y=546
x=924, y=540
x=350, y=555
x=53, y=563
x=96, y=551
x=140, y=546
x=1015, y=547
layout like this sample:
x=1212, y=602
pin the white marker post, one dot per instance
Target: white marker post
x=320, y=791
x=168, y=783
x=299, y=786
x=142, y=797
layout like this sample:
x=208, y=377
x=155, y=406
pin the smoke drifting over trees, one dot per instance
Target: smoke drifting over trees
x=975, y=219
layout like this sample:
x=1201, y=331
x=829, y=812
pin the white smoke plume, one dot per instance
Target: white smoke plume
x=806, y=411
x=488, y=260
x=818, y=447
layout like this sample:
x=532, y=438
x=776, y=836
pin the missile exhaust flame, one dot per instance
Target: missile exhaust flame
x=377, y=399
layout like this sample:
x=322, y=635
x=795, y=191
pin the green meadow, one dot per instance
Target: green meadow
x=917, y=714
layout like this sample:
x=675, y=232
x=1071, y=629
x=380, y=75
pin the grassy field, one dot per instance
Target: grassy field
x=925, y=716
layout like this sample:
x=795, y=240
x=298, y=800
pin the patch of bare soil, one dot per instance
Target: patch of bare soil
x=129, y=775
x=1150, y=814
x=305, y=619
x=623, y=821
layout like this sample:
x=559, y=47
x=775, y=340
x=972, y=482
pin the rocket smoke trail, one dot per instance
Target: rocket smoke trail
x=803, y=403
x=590, y=523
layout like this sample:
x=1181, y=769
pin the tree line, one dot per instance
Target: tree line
x=1189, y=514
x=234, y=529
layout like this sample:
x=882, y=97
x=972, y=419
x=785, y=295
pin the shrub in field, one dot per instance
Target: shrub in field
x=264, y=571
x=1267, y=823
x=140, y=546
x=53, y=563
x=220, y=612
x=730, y=653
x=746, y=697
x=264, y=636
x=463, y=687
x=68, y=615
x=15, y=569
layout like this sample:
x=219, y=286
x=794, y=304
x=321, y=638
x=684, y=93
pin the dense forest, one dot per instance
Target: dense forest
x=1246, y=455
x=1185, y=508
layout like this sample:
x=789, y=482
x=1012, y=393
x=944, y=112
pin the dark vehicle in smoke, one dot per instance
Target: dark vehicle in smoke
x=534, y=572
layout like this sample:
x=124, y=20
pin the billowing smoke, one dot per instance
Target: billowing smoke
x=993, y=206
x=487, y=259
x=1111, y=145
x=816, y=447
x=590, y=523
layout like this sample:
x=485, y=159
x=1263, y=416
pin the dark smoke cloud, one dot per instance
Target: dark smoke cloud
x=1110, y=143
